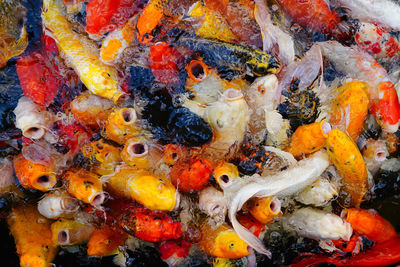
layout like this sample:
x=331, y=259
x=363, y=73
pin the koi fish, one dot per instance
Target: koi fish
x=147, y=225
x=359, y=65
x=154, y=192
x=385, y=252
x=34, y=175
x=67, y=232
x=32, y=236
x=105, y=241
x=85, y=186
x=239, y=59
x=370, y=224
x=350, y=108
x=191, y=176
x=222, y=242
x=349, y=162
x=174, y=252
x=377, y=42
x=213, y=23
x=383, y=12
x=266, y=209
x=81, y=54
x=316, y=15
x=309, y=138
x=13, y=35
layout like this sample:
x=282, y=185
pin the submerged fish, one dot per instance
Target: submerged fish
x=13, y=35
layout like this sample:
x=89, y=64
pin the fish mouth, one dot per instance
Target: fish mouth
x=63, y=237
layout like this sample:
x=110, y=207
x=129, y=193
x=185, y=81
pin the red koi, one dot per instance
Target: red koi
x=316, y=15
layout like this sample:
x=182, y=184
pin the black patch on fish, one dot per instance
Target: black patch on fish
x=251, y=159
x=387, y=184
x=144, y=256
x=80, y=17
x=330, y=73
x=33, y=22
x=140, y=79
x=189, y=129
x=222, y=55
x=300, y=107
x=174, y=125
x=10, y=93
x=285, y=247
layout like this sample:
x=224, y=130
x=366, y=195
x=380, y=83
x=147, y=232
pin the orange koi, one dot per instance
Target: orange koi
x=352, y=103
x=370, y=224
x=266, y=209
x=147, y=225
x=309, y=138
x=105, y=241
x=191, y=176
x=32, y=236
x=34, y=175
x=85, y=186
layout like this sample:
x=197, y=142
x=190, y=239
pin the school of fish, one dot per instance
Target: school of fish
x=212, y=132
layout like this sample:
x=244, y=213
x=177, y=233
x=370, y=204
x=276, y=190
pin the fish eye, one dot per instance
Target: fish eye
x=231, y=245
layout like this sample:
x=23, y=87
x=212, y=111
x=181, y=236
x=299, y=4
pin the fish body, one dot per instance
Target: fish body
x=121, y=125
x=222, y=242
x=383, y=12
x=359, y=65
x=106, y=155
x=145, y=224
x=213, y=24
x=32, y=236
x=13, y=35
x=91, y=110
x=81, y=54
x=265, y=209
x=377, y=42
x=319, y=225
x=309, y=138
x=350, y=108
x=350, y=164
x=316, y=15
x=239, y=58
x=155, y=193
x=68, y=232
x=174, y=252
x=370, y=224
x=105, y=241
x=191, y=176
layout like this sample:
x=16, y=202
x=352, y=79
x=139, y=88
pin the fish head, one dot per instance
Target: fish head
x=229, y=245
x=226, y=174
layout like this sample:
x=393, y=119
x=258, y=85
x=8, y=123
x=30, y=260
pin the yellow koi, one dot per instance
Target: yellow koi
x=81, y=53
